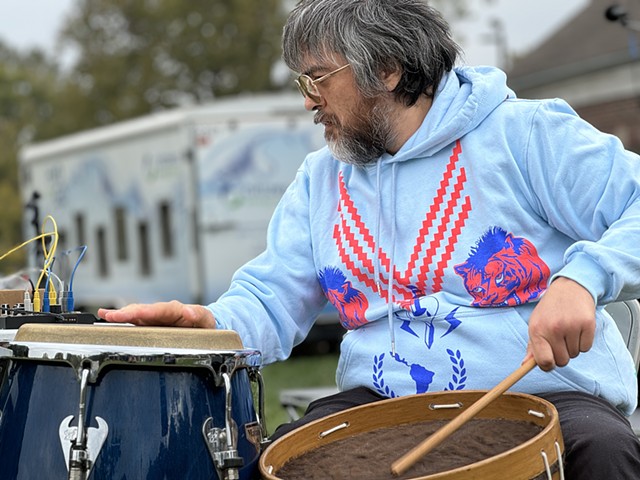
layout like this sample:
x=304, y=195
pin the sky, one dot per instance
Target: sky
x=30, y=23
x=526, y=24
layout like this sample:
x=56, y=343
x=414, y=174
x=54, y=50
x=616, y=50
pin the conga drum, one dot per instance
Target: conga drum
x=114, y=402
x=362, y=442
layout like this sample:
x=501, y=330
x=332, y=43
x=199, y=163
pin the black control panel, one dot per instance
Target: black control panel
x=16, y=321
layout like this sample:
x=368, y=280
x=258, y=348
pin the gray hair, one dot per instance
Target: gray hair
x=376, y=37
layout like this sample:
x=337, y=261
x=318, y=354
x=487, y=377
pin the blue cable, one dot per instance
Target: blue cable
x=46, y=304
x=70, y=301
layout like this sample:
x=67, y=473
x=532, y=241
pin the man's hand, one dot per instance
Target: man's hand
x=562, y=325
x=172, y=313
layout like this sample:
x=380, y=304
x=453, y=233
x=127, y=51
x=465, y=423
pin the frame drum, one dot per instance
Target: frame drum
x=538, y=458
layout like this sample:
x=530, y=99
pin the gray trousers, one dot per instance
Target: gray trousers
x=599, y=441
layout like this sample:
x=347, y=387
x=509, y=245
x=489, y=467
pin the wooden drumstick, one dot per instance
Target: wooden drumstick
x=410, y=458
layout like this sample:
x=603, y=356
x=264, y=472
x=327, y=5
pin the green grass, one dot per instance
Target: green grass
x=296, y=372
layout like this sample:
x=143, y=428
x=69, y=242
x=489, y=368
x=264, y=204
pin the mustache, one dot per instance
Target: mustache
x=321, y=117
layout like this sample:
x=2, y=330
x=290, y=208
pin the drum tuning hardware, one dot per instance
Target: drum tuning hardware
x=78, y=458
x=535, y=413
x=436, y=406
x=260, y=431
x=328, y=432
x=81, y=445
x=225, y=458
x=222, y=442
x=558, y=466
x=253, y=432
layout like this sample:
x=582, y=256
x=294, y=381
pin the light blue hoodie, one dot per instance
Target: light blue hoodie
x=490, y=199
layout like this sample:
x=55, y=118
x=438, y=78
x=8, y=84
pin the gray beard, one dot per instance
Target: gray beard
x=366, y=141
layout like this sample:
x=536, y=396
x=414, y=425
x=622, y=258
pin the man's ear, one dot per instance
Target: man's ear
x=391, y=79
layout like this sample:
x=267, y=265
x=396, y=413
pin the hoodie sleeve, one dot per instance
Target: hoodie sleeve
x=588, y=187
x=273, y=299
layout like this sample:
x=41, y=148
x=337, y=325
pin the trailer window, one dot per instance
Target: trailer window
x=62, y=240
x=101, y=241
x=120, y=215
x=80, y=229
x=145, y=250
x=165, y=229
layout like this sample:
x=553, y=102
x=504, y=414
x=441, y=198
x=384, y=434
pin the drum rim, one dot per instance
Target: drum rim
x=78, y=357
x=44, y=349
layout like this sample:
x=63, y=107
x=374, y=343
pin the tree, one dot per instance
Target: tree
x=27, y=87
x=137, y=56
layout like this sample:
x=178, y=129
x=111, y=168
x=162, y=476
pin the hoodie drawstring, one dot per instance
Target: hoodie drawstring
x=391, y=259
x=376, y=263
x=392, y=223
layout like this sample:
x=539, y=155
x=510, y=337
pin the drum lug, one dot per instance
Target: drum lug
x=255, y=434
x=223, y=453
x=81, y=445
x=260, y=432
x=222, y=442
x=81, y=458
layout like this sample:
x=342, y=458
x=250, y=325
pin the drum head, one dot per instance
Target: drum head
x=132, y=336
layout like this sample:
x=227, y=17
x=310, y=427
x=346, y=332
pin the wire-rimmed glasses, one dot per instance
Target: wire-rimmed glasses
x=308, y=86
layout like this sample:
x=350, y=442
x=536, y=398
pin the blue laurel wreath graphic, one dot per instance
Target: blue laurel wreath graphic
x=459, y=376
x=378, y=381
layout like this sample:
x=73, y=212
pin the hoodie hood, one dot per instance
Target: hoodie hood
x=465, y=97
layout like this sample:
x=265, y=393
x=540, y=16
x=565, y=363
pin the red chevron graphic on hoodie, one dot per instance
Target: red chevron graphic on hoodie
x=431, y=252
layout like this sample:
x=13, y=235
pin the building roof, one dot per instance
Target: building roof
x=586, y=43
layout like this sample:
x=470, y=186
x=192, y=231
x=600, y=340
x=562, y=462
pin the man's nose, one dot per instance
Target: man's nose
x=310, y=104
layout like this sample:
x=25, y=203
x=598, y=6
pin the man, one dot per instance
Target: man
x=456, y=228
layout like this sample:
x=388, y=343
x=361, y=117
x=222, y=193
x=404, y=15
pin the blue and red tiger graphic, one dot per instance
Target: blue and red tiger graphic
x=350, y=302
x=503, y=270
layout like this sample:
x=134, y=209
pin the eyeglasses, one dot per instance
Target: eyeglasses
x=308, y=86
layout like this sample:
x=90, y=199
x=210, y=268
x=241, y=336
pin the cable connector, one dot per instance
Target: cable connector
x=36, y=301
x=46, y=302
x=64, y=301
x=70, y=302
x=28, y=305
x=53, y=297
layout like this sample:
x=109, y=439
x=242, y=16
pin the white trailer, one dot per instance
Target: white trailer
x=170, y=204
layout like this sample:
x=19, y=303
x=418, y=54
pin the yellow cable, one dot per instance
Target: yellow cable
x=48, y=257
x=48, y=260
x=15, y=249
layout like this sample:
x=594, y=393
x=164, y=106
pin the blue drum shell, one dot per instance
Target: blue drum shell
x=154, y=415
